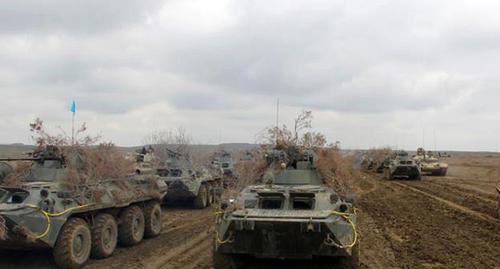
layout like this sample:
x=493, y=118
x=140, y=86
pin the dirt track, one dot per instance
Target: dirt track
x=434, y=223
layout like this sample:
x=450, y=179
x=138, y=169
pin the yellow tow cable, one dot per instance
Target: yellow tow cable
x=222, y=242
x=49, y=215
x=347, y=216
x=217, y=238
x=330, y=242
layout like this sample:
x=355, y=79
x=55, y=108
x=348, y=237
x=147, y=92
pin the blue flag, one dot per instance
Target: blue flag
x=73, y=107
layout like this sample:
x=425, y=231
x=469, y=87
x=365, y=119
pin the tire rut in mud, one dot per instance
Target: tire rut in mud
x=184, y=230
x=426, y=233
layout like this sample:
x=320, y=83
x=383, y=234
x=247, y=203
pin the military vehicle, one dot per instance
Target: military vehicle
x=368, y=164
x=225, y=160
x=76, y=221
x=429, y=163
x=293, y=215
x=199, y=186
x=401, y=166
x=144, y=163
x=382, y=165
x=147, y=163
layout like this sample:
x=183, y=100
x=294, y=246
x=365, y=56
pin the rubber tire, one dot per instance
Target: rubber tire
x=100, y=248
x=443, y=172
x=202, y=198
x=152, y=218
x=126, y=234
x=63, y=249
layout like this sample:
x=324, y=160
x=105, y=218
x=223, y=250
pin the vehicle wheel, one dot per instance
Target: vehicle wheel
x=202, y=198
x=443, y=172
x=350, y=262
x=152, y=217
x=73, y=245
x=104, y=236
x=131, y=228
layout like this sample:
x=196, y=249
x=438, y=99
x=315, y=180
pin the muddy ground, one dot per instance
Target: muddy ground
x=438, y=222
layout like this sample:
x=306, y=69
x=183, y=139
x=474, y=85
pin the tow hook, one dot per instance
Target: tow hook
x=310, y=226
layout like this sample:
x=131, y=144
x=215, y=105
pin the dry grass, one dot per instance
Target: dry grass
x=378, y=155
x=91, y=164
x=336, y=170
x=247, y=172
x=87, y=162
x=13, y=179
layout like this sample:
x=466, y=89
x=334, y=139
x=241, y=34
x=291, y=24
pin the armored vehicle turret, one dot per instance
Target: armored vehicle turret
x=292, y=215
x=200, y=187
x=77, y=221
x=429, y=163
x=401, y=166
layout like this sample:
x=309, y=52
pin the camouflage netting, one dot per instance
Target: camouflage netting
x=249, y=171
x=96, y=163
x=336, y=170
x=13, y=179
x=87, y=162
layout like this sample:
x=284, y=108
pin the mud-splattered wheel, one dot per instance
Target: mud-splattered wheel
x=201, y=199
x=73, y=246
x=443, y=172
x=152, y=217
x=131, y=228
x=104, y=236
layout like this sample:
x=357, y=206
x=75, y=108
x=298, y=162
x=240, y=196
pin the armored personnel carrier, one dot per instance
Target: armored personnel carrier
x=368, y=164
x=293, y=215
x=76, y=221
x=382, y=165
x=200, y=187
x=144, y=162
x=401, y=166
x=429, y=163
x=225, y=160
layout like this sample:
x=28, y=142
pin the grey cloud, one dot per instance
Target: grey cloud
x=73, y=17
x=358, y=60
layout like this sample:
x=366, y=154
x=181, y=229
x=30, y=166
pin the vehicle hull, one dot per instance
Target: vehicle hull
x=272, y=239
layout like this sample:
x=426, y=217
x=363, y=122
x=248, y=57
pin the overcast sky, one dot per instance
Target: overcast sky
x=374, y=73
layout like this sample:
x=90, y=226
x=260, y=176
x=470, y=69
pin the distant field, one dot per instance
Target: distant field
x=18, y=150
x=14, y=150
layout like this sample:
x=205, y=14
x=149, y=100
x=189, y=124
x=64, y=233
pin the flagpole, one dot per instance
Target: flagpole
x=73, y=110
x=73, y=129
